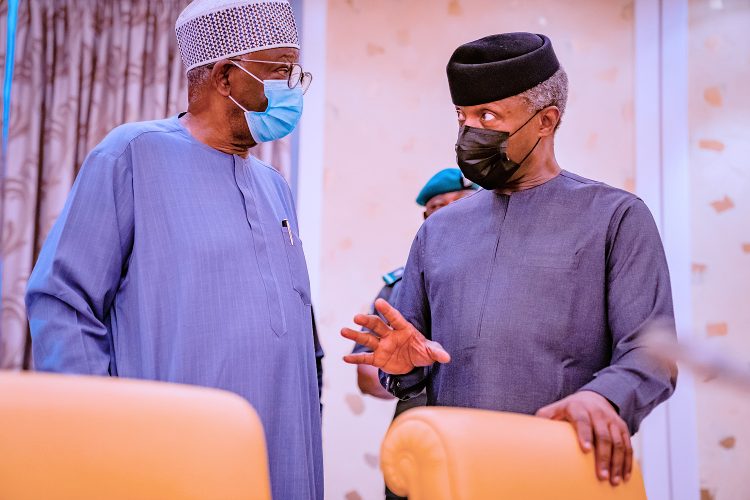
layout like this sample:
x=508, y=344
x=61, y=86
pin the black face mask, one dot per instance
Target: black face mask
x=481, y=155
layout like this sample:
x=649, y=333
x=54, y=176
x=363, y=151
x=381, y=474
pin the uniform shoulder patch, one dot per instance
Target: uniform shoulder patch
x=393, y=277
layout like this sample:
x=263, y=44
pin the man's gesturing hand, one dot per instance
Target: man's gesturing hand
x=396, y=349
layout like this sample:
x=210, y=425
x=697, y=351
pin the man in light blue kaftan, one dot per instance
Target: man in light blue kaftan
x=177, y=258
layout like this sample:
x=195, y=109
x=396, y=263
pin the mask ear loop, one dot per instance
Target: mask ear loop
x=246, y=71
x=238, y=104
x=535, y=144
x=261, y=81
x=531, y=151
x=526, y=123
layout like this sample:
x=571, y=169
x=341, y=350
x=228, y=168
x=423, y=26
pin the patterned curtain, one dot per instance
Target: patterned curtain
x=82, y=67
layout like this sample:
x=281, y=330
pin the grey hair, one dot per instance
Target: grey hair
x=197, y=79
x=551, y=92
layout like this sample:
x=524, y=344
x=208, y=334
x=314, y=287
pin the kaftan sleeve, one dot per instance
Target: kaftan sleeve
x=638, y=294
x=80, y=268
x=411, y=301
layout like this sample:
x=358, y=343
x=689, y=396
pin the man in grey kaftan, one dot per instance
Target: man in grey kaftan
x=528, y=328
x=534, y=295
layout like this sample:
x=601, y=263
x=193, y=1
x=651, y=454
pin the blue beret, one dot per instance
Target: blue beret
x=445, y=181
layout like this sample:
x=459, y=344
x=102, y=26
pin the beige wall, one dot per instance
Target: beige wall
x=390, y=125
x=719, y=108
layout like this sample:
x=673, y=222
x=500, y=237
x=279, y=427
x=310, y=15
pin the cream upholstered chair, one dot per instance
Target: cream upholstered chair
x=457, y=453
x=91, y=438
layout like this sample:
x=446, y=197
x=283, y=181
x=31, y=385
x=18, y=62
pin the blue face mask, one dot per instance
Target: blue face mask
x=282, y=114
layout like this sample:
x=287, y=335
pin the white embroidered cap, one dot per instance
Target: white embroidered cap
x=211, y=30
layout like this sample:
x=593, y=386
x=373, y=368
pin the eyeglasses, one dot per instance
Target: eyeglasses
x=296, y=75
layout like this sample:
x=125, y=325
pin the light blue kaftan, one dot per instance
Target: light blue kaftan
x=169, y=262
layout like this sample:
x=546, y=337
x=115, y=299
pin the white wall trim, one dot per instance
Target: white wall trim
x=677, y=236
x=311, y=139
x=654, y=449
x=669, y=448
x=647, y=105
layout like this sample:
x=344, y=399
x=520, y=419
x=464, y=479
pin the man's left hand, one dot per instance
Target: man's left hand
x=597, y=425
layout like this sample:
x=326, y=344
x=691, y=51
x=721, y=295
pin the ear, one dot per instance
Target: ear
x=220, y=76
x=549, y=116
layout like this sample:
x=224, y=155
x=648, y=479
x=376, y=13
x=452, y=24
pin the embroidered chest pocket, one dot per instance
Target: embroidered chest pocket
x=296, y=260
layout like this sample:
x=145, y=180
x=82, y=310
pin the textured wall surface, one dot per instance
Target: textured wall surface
x=719, y=110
